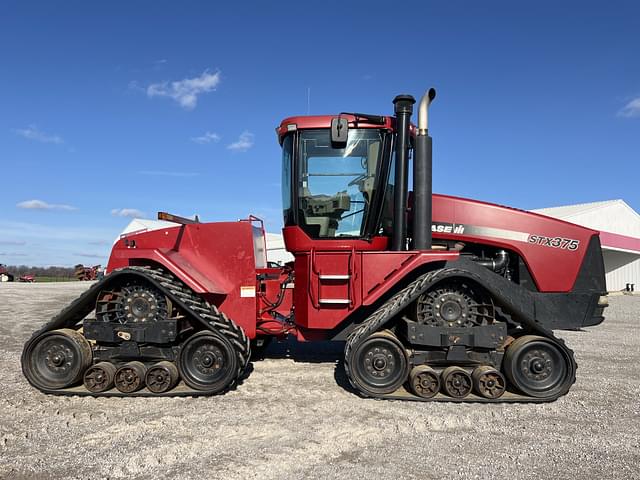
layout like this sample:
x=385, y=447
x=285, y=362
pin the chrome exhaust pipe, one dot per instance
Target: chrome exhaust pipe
x=422, y=177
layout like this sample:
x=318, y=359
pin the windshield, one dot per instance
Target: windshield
x=336, y=185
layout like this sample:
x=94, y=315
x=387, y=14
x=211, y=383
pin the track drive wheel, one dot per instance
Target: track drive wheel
x=456, y=382
x=488, y=382
x=57, y=359
x=99, y=378
x=538, y=367
x=424, y=381
x=208, y=362
x=379, y=364
x=162, y=377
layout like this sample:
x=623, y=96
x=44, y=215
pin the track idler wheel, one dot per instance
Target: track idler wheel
x=456, y=382
x=130, y=377
x=99, y=378
x=538, y=367
x=56, y=359
x=379, y=364
x=424, y=381
x=208, y=362
x=488, y=382
x=162, y=377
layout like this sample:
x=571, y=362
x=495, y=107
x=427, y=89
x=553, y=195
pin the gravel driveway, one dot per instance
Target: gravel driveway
x=292, y=419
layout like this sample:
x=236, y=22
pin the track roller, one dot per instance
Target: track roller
x=56, y=359
x=538, y=367
x=161, y=377
x=208, y=362
x=456, y=382
x=130, y=377
x=99, y=378
x=379, y=363
x=488, y=382
x=424, y=381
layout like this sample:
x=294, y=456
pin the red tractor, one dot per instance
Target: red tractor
x=435, y=297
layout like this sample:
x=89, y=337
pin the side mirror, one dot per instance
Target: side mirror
x=339, y=130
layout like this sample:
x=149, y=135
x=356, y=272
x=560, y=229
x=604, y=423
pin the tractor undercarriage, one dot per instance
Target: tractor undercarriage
x=454, y=349
x=151, y=336
x=437, y=339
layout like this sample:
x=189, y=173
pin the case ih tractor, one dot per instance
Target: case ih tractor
x=435, y=297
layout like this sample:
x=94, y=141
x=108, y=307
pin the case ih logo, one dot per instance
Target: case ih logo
x=555, y=242
x=447, y=228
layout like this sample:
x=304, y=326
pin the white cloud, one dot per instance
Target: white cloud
x=34, y=233
x=34, y=133
x=186, y=91
x=41, y=205
x=12, y=242
x=244, y=142
x=127, y=212
x=160, y=173
x=99, y=242
x=55, y=244
x=631, y=109
x=89, y=255
x=208, y=137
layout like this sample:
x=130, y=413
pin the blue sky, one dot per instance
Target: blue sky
x=123, y=108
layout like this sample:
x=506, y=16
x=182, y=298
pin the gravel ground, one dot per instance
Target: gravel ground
x=292, y=418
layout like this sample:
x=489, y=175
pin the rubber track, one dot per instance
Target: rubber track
x=181, y=295
x=404, y=298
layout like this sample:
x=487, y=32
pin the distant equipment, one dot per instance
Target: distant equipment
x=88, y=273
x=5, y=276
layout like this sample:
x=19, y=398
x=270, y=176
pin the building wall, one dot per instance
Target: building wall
x=276, y=251
x=621, y=268
x=617, y=218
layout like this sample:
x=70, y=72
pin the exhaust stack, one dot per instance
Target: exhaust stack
x=403, y=108
x=422, y=177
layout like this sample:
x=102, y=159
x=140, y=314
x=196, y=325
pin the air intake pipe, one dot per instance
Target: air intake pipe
x=496, y=264
x=422, y=177
x=403, y=108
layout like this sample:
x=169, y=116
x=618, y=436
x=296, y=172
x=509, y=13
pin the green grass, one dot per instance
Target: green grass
x=43, y=279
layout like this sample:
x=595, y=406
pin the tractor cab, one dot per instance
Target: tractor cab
x=345, y=191
x=345, y=178
x=332, y=187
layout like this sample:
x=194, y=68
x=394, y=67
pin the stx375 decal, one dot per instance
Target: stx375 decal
x=500, y=233
x=555, y=242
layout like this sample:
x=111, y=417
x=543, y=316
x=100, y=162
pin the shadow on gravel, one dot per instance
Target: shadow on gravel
x=311, y=352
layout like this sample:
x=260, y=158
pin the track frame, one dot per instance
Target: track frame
x=403, y=299
x=207, y=315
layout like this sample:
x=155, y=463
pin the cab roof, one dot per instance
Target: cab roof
x=306, y=122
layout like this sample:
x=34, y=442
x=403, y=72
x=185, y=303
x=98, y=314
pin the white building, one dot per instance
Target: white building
x=276, y=251
x=619, y=227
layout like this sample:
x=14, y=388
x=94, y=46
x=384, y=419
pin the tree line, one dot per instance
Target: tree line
x=57, y=272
